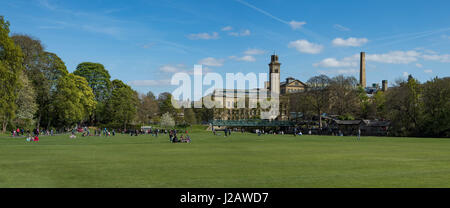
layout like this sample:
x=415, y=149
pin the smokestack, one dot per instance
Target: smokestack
x=384, y=86
x=362, y=71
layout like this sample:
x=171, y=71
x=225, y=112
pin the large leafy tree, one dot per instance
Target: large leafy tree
x=122, y=104
x=403, y=103
x=45, y=79
x=26, y=103
x=11, y=59
x=43, y=70
x=73, y=101
x=97, y=77
x=165, y=104
x=32, y=50
x=189, y=116
x=436, y=108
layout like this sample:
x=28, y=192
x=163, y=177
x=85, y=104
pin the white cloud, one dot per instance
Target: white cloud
x=296, y=25
x=304, y=46
x=418, y=65
x=405, y=74
x=340, y=27
x=204, y=36
x=394, y=57
x=246, y=58
x=242, y=33
x=254, y=52
x=444, y=58
x=339, y=72
x=210, y=61
x=245, y=33
x=171, y=68
x=350, y=42
x=227, y=28
x=332, y=62
x=428, y=71
x=147, y=83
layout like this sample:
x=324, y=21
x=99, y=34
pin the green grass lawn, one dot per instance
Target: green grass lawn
x=242, y=160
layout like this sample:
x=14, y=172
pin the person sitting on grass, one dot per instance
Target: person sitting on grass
x=175, y=139
x=72, y=136
x=187, y=139
x=36, y=139
x=29, y=138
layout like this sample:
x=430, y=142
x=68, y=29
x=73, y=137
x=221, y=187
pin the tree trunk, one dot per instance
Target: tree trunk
x=320, y=121
x=4, y=124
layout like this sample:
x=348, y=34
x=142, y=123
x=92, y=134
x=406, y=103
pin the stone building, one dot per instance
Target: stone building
x=231, y=97
x=292, y=85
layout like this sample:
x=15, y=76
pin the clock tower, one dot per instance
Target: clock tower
x=274, y=80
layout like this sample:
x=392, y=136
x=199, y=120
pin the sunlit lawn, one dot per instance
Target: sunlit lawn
x=242, y=160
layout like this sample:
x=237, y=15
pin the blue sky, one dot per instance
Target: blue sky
x=144, y=42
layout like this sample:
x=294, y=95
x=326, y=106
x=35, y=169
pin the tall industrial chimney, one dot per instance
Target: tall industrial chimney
x=384, y=86
x=362, y=70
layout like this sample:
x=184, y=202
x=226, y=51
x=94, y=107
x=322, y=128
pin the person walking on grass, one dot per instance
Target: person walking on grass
x=359, y=133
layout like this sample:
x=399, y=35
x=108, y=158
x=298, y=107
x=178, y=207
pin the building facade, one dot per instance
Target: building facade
x=232, y=99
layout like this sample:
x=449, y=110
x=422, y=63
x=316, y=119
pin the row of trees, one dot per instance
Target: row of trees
x=37, y=91
x=414, y=109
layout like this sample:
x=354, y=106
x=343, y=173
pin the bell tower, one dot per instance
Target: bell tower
x=274, y=80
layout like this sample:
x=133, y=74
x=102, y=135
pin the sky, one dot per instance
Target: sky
x=144, y=43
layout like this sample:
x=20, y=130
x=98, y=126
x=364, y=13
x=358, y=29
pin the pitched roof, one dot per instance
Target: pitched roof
x=348, y=122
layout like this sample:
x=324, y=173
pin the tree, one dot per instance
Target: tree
x=300, y=104
x=45, y=80
x=32, y=50
x=122, y=104
x=189, y=116
x=26, y=103
x=379, y=105
x=364, y=103
x=436, y=108
x=167, y=120
x=318, y=94
x=11, y=60
x=43, y=70
x=165, y=104
x=73, y=101
x=97, y=77
x=148, y=108
x=343, y=98
x=404, y=107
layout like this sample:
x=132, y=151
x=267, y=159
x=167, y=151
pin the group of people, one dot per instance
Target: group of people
x=183, y=138
x=227, y=132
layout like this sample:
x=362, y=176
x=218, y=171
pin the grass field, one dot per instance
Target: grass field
x=242, y=160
